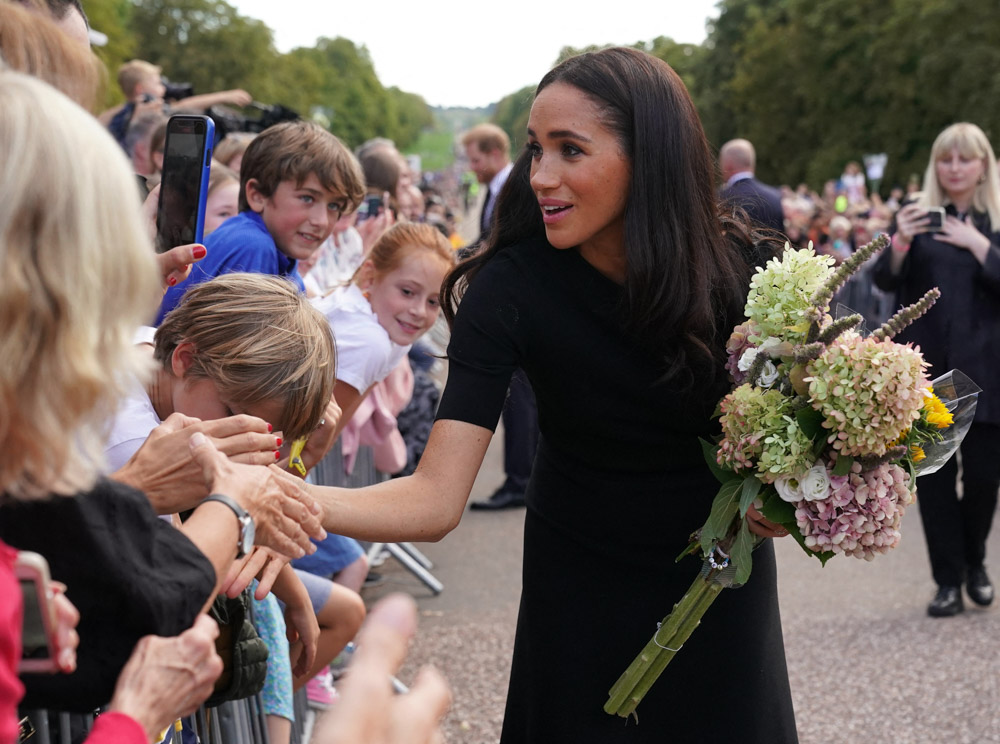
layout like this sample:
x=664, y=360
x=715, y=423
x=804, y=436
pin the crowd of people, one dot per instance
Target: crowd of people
x=179, y=426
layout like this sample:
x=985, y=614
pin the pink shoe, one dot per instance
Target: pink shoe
x=320, y=692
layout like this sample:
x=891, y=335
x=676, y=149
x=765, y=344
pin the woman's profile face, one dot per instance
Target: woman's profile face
x=958, y=174
x=578, y=173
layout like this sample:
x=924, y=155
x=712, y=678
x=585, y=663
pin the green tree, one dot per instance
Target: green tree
x=204, y=42
x=112, y=18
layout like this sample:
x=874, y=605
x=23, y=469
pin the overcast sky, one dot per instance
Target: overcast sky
x=453, y=53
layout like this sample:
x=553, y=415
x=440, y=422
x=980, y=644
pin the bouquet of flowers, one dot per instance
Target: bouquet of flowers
x=824, y=433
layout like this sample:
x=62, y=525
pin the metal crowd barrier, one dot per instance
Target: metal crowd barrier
x=235, y=722
x=330, y=472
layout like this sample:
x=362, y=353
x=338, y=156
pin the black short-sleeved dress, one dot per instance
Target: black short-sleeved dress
x=618, y=485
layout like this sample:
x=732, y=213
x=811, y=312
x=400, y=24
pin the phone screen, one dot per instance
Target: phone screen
x=187, y=156
x=34, y=640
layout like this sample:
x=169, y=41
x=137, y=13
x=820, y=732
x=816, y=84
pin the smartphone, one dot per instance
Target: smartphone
x=370, y=207
x=936, y=217
x=38, y=627
x=187, y=160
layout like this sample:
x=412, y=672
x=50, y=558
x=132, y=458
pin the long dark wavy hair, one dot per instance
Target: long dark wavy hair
x=687, y=268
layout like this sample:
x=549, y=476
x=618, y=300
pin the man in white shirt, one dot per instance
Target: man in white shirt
x=487, y=147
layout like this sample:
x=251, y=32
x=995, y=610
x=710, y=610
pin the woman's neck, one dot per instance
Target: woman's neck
x=961, y=202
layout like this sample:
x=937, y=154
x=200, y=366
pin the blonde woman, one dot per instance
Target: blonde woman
x=960, y=253
x=79, y=276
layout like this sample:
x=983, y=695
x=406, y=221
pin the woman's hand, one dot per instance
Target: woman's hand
x=763, y=527
x=175, y=264
x=284, y=515
x=369, y=712
x=262, y=564
x=67, y=617
x=963, y=234
x=166, y=678
x=164, y=469
x=911, y=220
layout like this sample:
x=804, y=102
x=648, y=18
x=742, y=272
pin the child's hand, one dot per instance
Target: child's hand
x=302, y=627
x=372, y=229
x=261, y=563
x=319, y=442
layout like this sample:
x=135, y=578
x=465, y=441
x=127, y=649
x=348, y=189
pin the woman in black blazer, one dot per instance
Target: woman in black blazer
x=959, y=252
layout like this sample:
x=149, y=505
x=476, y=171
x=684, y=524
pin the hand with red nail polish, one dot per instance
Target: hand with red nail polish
x=164, y=469
x=175, y=264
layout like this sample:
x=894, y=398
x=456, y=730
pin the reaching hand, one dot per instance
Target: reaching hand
x=263, y=564
x=165, y=470
x=166, y=678
x=369, y=712
x=302, y=626
x=284, y=515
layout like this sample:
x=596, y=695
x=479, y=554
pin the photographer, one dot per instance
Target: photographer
x=146, y=90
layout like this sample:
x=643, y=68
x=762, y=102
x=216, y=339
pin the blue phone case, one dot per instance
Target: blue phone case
x=196, y=173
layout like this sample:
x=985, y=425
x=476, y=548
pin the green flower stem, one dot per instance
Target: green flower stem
x=674, y=631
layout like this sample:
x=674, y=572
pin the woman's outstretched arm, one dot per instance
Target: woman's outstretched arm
x=424, y=506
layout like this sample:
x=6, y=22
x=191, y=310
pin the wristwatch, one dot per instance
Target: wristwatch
x=247, y=530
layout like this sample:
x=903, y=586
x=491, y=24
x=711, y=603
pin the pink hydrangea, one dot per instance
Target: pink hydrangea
x=737, y=344
x=861, y=516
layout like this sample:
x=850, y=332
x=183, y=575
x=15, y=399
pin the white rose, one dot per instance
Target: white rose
x=768, y=375
x=746, y=361
x=787, y=487
x=815, y=484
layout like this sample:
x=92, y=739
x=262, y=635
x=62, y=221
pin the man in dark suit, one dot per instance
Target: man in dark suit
x=737, y=161
x=488, y=150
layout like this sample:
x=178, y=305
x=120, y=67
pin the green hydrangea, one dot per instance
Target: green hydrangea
x=749, y=415
x=869, y=392
x=786, y=451
x=780, y=294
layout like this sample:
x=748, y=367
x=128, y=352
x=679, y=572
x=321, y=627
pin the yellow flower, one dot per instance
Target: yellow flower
x=937, y=413
x=917, y=453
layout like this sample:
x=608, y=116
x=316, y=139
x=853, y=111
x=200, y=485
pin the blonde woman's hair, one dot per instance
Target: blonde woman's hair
x=399, y=241
x=77, y=277
x=258, y=339
x=971, y=142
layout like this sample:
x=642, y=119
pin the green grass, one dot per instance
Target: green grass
x=435, y=148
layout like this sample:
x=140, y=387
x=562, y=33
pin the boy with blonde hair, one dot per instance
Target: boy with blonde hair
x=296, y=180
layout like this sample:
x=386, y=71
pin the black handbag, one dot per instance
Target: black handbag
x=243, y=652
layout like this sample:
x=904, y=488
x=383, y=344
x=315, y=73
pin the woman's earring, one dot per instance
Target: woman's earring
x=982, y=178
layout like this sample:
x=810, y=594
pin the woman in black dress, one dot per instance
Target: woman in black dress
x=611, y=280
x=960, y=254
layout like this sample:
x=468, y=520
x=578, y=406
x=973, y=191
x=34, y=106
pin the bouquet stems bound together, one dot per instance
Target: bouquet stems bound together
x=824, y=433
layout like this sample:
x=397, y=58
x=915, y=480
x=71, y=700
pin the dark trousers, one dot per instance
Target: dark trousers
x=520, y=433
x=956, y=528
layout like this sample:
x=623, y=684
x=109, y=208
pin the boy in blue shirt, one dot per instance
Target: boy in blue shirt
x=296, y=180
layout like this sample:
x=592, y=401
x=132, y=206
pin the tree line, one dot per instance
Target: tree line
x=817, y=83
x=812, y=83
x=208, y=44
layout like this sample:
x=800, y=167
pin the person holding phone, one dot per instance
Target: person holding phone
x=948, y=236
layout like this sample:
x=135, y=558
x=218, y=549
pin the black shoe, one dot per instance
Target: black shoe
x=978, y=587
x=500, y=500
x=946, y=603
